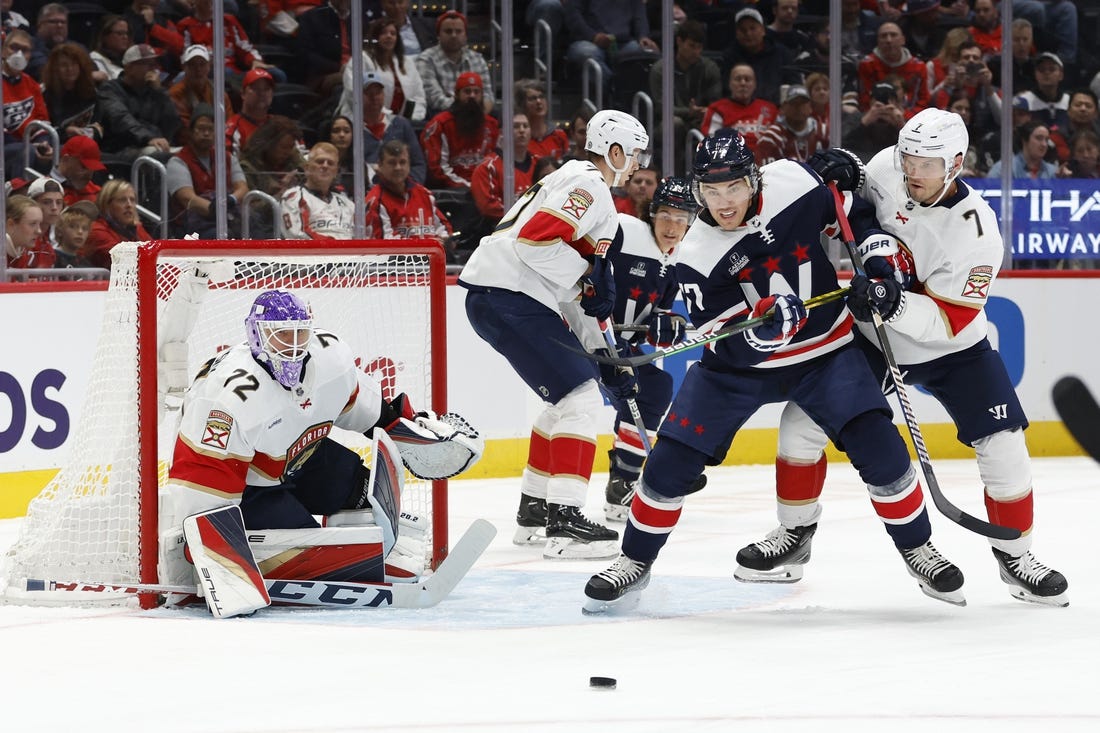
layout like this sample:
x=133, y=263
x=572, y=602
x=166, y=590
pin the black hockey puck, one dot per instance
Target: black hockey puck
x=602, y=683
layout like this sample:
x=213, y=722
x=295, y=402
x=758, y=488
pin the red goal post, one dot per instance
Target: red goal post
x=179, y=302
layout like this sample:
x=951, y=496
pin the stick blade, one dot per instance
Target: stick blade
x=451, y=571
x=1080, y=413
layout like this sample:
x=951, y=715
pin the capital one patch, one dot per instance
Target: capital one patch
x=977, y=282
x=577, y=203
x=218, y=427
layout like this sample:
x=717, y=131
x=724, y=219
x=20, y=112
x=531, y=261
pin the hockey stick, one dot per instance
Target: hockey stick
x=702, y=339
x=1079, y=411
x=329, y=594
x=631, y=403
x=949, y=510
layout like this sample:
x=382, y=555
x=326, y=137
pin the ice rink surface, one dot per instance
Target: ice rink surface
x=854, y=646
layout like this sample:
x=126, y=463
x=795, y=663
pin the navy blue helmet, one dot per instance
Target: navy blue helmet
x=675, y=193
x=722, y=157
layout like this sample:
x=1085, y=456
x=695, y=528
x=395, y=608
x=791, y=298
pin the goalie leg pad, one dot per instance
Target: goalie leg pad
x=384, y=485
x=228, y=574
x=349, y=552
x=406, y=560
x=437, y=448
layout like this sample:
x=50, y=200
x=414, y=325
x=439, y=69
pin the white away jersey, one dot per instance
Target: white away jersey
x=540, y=245
x=240, y=426
x=308, y=216
x=957, y=250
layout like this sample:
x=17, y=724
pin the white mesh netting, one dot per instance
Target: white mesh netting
x=88, y=522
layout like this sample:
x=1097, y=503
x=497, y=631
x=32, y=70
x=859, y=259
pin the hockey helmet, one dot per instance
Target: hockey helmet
x=610, y=127
x=934, y=133
x=723, y=157
x=675, y=193
x=279, y=326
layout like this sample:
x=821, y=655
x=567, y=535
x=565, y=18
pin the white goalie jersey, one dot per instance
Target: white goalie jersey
x=240, y=427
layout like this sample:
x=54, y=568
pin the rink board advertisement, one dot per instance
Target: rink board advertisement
x=1052, y=219
x=45, y=370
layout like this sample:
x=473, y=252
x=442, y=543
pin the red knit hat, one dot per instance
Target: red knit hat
x=468, y=79
x=449, y=15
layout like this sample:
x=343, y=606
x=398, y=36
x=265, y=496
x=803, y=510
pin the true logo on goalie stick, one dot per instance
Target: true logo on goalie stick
x=218, y=427
x=977, y=282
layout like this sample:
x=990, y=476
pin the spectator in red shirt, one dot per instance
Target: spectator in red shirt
x=531, y=102
x=639, y=193
x=986, y=29
x=240, y=56
x=79, y=161
x=24, y=220
x=741, y=109
x=149, y=26
x=457, y=139
x=118, y=222
x=891, y=57
x=397, y=206
x=46, y=192
x=258, y=89
x=795, y=136
x=23, y=103
x=487, y=183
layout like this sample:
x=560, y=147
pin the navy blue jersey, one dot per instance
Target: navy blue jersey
x=645, y=277
x=777, y=250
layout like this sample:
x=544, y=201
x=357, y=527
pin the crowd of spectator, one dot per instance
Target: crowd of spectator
x=134, y=79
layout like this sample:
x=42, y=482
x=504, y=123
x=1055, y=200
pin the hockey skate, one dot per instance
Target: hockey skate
x=572, y=536
x=618, y=494
x=531, y=518
x=778, y=558
x=937, y=576
x=1031, y=580
x=619, y=587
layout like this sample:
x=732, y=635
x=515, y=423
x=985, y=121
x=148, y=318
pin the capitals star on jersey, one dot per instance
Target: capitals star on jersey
x=777, y=250
x=645, y=277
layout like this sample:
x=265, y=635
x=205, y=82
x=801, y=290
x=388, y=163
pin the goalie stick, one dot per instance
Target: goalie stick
x=326, y=593
x=1079, y=411
x=949, y=510
x=702, y=339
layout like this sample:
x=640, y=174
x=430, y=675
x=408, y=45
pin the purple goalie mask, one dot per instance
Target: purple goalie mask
x=280, y=327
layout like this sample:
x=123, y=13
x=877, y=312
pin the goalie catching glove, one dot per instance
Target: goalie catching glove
x=434, y=447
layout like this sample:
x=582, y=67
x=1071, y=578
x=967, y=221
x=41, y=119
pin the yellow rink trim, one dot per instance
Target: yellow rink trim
x=507, y=457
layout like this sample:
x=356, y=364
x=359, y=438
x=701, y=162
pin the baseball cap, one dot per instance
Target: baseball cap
x=377, y=77
x=448, y=16
x=468, y=79
x=752, y=13
x=87, y=208
x=795, y=91
x=139, y=52
x=85, y=148
x=42, y=185
x=196, y=51
x=1020, y=102
x=1048, y=55
x=255, y=75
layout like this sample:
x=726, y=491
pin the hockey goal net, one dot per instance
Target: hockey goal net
x=96, y=521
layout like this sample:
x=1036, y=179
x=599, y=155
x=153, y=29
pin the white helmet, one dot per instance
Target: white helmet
x=611, y=127
x=934, y=133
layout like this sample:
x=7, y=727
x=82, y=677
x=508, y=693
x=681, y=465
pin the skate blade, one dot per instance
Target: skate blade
x=955, y=597
x=1061, y=600
x=780, y=574
x=615, y=512
x=529, y=536
x=566, y=548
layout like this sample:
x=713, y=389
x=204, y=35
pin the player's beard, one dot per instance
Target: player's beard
x=469, y=117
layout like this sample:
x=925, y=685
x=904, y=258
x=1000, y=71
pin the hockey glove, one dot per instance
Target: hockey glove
x=884, y=296
x=598, y=290
x=788, y=316
x=840, y=165
x=617, y=382
x=884, y=257
x=665, y=329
